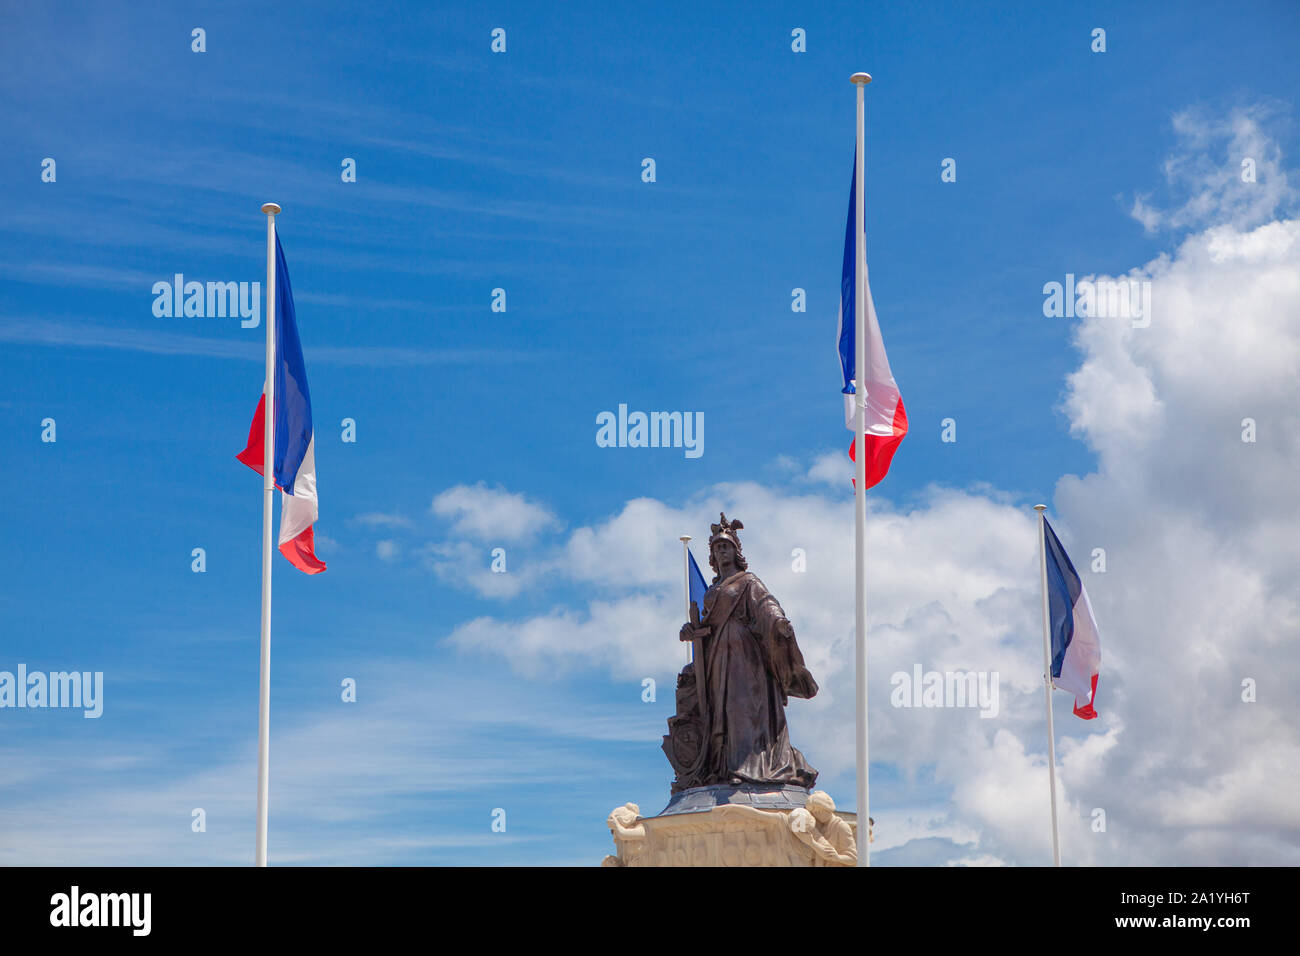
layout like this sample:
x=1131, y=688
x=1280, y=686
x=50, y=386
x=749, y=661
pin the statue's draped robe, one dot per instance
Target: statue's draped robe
x=752, y=666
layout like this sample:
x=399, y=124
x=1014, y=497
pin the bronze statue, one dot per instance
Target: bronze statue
x=730, y=723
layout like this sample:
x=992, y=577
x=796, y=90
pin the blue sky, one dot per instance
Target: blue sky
x=522, y=171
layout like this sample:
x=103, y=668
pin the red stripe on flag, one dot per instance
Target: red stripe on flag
x=1086, y=711
x=301, y=552
x=254, y=454
x=880, y=448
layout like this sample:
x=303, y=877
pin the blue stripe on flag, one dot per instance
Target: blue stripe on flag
x=698, y=586
x=848, y=284
x=292, y=398
x=1063, y=589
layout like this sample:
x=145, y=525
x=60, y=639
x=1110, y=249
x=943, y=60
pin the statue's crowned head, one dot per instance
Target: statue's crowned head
x=726, y=530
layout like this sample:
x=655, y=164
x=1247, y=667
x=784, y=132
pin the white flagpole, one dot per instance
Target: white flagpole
x=686, y=571
x=1047, y=676
x=268, y=510
x=860, y=80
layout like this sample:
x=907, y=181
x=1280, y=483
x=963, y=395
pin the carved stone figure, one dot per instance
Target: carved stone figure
x=832, y=841
x=629, y=835
x=730, y=725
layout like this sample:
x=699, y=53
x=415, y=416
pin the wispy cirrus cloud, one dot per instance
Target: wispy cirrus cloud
x=356, y=784
x=380, y=519
x=61, y=334
x=1227, y=170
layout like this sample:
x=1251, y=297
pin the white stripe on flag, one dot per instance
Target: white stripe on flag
x=298, y=511
x=1083, y=655
x=882, y=390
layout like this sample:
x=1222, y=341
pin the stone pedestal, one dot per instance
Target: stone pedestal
x=730, y=826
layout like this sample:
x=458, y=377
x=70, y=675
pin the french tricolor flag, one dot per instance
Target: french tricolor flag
x=294, y=457
x=886, y=418
x=1076, y=644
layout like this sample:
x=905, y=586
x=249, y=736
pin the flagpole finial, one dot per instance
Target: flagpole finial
x=1040, y=508
x=685, y=537
x=861, y=79
x=271, y=209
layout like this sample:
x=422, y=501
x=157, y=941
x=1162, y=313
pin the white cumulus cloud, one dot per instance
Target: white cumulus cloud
x=483, y=513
